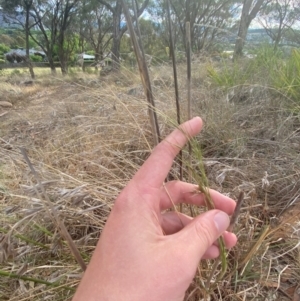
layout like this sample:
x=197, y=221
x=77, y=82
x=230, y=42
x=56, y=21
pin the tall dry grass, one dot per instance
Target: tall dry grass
x=86, y=136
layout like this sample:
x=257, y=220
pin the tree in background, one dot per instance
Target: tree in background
x=207, y=20
x=13, y=38
x=64, y=41
x=54, y=19
x=46, y=18
x=96, y=27
x=277, y=17
x=293, y=34
x=249, y=11
x=115, y=7
x=151, y=38
x=18, y=12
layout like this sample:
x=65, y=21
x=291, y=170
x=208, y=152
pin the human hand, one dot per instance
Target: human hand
x=145, y=253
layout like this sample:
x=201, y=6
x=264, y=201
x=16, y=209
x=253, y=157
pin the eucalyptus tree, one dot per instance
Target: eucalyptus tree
x=250, y=9
x=294, y=33
x=18, y=11
x=207, y=18
x=277, y=18
x=54, y=19
x=64, y=39
x=119, y=27
x=95, y=22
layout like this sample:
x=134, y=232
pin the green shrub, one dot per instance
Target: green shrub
x=257, y=70
x=90, y=52
x=266, y=56
x=3, y=48
x=287, y=77
x=230, y=74
x=36, y=58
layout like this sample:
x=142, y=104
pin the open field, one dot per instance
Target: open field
x=87, y=135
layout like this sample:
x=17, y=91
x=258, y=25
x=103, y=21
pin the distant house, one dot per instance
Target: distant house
x=86, y=57
x=82, y=58
x=19, y=55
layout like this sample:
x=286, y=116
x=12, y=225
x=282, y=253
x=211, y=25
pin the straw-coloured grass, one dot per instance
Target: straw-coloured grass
x=86, y=136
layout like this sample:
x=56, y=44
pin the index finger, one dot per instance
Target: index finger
x=155, y=169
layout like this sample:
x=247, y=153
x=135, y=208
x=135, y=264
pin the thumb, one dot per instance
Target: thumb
x=199, y=235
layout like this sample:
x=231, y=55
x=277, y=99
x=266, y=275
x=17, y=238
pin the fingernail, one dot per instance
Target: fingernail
x=221, y=220
x=196, y=118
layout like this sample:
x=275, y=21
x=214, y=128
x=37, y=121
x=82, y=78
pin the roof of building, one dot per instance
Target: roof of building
x=22, y=52
x=86, y=56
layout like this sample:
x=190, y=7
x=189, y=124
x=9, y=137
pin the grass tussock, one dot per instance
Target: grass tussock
x=86, y=136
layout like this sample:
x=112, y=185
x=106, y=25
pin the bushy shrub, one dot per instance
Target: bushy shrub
x=266, y=56
x=90, y=52
x=36, y=58
x=260, y=68
x=231, y=74
x=287, y=76
x=267, y=68
x=3, y=48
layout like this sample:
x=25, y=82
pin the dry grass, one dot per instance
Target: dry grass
x=86, y=137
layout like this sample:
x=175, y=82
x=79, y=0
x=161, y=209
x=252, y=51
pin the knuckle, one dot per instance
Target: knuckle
x=205, y=232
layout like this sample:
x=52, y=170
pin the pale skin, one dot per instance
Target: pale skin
x=145, y=253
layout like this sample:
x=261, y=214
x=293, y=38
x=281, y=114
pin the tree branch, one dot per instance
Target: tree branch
x=134, y=18
x=108, y=6
x=256, y=8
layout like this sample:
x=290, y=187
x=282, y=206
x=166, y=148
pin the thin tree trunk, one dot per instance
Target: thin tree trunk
x=27, y=41
x=61, y=54
x=241, y=38
x=52, y=65
x=116, y=43
x=63, y=61
x=64, y=66
x=247, y=16
x=278, y=38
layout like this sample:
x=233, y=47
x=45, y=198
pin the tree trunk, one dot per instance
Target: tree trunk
x=63, y=66
x=117, y=30
x=62, y=54
x=28, y=5
x=116, y=43
x=241, y=38
x=52, y=65
x=246, y=19
x=98, y=55
x=115, y=53
x=277, y=40
x=63, y=61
